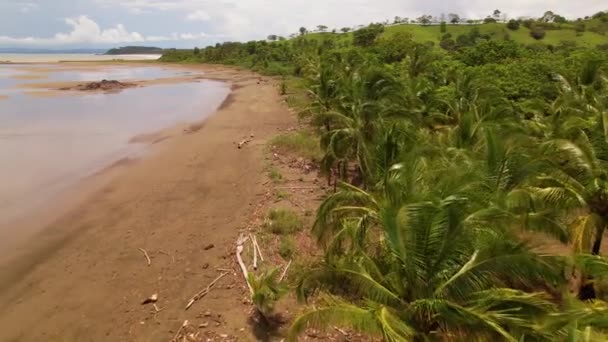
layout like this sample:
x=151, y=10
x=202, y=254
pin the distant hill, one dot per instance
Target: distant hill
x=135, y=50
x=594, y=34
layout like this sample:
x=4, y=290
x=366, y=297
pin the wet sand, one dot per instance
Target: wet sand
x=83, y=278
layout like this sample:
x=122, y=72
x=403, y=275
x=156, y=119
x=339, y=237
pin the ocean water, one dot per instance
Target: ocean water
x=52, y=57
x=49, y=143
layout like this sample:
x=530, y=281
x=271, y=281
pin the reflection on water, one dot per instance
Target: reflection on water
x=48, y=143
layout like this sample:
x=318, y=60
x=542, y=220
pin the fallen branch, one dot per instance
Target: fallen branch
x=257, y=247
x=239, y=249
x=285, y=271
x=341, y=331
x=202, y=293
x=146, y=255
x=255, y=252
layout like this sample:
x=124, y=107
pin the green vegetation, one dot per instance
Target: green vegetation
x=287, y=247
x=267, y=290
x=300, y=143
x=283, y=221
x=130, y=50
x=445, y=157
x=275, y=175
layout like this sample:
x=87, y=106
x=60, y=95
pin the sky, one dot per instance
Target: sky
x=189, y=23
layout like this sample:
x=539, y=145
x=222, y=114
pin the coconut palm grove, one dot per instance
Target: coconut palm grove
x=468, y=165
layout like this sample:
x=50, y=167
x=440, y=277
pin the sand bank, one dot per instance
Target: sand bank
x=84, y=277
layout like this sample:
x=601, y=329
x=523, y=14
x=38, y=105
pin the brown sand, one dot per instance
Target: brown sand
x=84, y=277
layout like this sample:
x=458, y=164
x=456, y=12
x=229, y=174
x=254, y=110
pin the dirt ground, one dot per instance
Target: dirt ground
x=183, y=206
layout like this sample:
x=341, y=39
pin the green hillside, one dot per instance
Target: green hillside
x=563, y=33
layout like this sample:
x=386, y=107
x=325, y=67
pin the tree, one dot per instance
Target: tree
x=425, y=19
x=321, y=28
x=579, y=27
x=454, y=18
x=513, y=25
x=345, y=29
x=496, y=14
x=367, y=36
x=397, y=20
x=196, y=51
x=272, y=37
x=489, y=20
x=395, y=281
x=443, y=28
x=303, y=31
x=548, y=17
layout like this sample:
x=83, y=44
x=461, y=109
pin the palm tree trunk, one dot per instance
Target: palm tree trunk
x=587, y=291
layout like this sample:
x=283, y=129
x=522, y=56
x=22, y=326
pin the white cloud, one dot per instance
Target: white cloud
x=255, y=19
x=27, y=7
x=86, y=30
x=198, y=15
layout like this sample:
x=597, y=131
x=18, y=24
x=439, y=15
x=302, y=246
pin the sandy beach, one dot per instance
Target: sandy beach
x=84, y=276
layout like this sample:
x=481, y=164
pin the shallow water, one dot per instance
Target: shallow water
x=49, y=143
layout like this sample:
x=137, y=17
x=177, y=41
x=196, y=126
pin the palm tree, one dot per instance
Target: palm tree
x=409, y=265
x=267, y=290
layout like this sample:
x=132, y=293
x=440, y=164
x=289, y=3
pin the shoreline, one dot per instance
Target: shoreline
x=195, y=189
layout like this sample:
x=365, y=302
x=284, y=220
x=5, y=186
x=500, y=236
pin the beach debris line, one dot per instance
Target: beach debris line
x=202, y=293
x=146, y=255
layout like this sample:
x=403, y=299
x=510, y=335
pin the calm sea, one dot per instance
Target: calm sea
x=48, y=142
x=37, y=58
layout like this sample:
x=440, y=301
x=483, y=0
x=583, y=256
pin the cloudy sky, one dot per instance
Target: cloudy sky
x=188, y=23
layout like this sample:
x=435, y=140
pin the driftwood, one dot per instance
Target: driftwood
x=239, y=250
x=257, y=247
x=146, y=255
x=202, y=293
x=244, y=142
x=255, y=252
x=285, y=271
x=152, y=299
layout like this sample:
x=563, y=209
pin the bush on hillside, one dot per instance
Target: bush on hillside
x=537, y=33
x=513, y=25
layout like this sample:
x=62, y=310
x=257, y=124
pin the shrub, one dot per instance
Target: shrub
x=283, y=221
x=287, y=247
x=275, y=175
x=489, y=20
x=537, y=33
x=513, y=25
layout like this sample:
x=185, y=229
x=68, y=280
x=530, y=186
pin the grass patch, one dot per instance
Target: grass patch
x=282, y=221
x=281, y=195
x=275, y=175
x=301, y=143
x=287, y=247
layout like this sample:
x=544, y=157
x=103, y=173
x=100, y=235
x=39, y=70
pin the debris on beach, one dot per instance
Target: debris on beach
x=103, y=85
